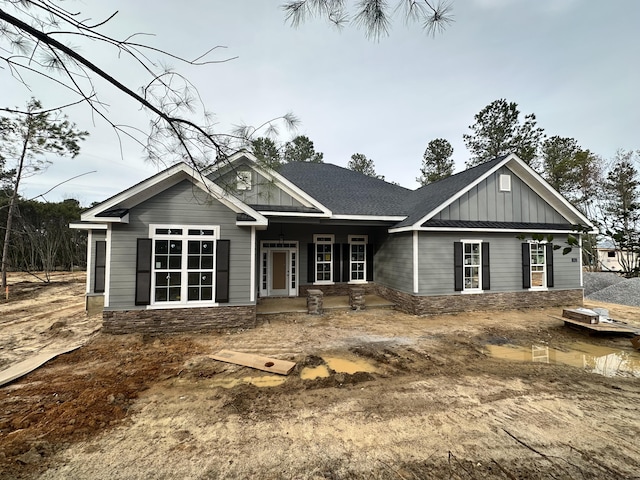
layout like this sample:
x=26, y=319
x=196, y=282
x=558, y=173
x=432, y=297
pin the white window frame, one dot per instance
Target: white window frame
x=323, y=239
x=466, y=265
x=358, y=240
x=542, y=245
x=505, y=182
x=184, y=270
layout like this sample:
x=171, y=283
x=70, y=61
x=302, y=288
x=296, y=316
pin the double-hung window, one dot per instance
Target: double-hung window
x=183, y=264
x=538, y=264
x=357, y=258
x=472, y=266
x=323, y=258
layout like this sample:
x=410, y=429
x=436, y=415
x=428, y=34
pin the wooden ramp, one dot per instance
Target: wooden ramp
x=29, y=365
x=281, y=367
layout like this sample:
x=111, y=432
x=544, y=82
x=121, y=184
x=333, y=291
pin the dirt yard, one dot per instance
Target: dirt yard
x=397, y=397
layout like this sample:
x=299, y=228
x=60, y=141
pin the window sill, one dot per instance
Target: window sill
x=471, y=292
x=538, y=289
x=323, y=283
x=169, y=305
x=357, y=282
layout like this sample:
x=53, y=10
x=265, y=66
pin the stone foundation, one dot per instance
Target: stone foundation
x=178, y=320
x=425, y=305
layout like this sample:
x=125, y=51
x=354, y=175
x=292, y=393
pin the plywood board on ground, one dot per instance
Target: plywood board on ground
x=281, y=367
x=30, y=364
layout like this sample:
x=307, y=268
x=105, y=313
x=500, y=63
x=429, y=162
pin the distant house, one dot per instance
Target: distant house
x=185, y=251
x=611, y=259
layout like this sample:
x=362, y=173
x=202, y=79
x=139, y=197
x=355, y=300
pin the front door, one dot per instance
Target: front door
x=279, y=273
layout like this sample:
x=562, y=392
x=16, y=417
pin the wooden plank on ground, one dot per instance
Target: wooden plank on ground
x=618, y=327
x=281, y=367
x=30, y=364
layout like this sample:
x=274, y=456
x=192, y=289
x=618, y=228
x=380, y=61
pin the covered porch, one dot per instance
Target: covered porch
x=278, y=305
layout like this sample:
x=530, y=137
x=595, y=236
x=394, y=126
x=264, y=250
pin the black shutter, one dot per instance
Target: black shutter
x=223, y=250
x=346, y=257
x=335, y=248
x=526, y=265
x=486, y=273
x=311, y=264
x=369, y=257
x=143, y=271
x=99, y=268
x=549, y=258
x=458, y=267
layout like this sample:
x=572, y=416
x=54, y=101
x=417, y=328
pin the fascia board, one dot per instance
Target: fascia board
x=540, y=186
x=88, y=226
x=495, y=230
x=272, y=175
x=139, y=192
x=271, y=213
x=166, y=179
x=381, y=218
x=296, y=192
x=229, y=201
x=485, y=230
x=453, y=198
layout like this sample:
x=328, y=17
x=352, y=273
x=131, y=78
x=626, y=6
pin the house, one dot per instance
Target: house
x=185, y=250
x=612, y=259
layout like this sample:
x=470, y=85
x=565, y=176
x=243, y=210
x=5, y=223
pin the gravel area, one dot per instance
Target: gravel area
x=609, y=287
x=596, y=281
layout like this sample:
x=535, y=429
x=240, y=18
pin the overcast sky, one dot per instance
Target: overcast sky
x=575, y=64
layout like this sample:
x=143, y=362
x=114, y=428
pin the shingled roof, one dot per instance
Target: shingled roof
x=346, y=192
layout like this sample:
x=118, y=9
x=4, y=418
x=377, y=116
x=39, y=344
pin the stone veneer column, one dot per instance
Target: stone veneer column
x=356, y=298
x=314, y=302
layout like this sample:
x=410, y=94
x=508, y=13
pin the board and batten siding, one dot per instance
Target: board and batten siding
x=262, y=191
x=182, y=204
x=485, y=202
x=393, y=264
x=436, y=263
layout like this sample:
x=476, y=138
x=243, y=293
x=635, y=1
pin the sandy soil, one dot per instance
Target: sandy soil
x=436, y=406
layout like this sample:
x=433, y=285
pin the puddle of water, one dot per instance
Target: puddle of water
x=264, y=381
x=593, y=358
x=337, y=364
x=349, y=366
x=311, y=373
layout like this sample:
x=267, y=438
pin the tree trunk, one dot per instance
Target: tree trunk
x=12, y=203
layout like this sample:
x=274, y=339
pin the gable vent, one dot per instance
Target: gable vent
x=505, y=183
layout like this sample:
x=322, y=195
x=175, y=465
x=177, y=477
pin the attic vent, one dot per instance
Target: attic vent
x=505, y=183
x=244, y=180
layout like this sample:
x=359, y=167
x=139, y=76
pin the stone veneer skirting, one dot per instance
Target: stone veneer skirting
x=176, y=320
x=432, y=305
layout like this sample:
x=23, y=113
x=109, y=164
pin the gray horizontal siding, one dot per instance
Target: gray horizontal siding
x=486, y=202
x=182, y=204
x=393, y=262
x=437, y=272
